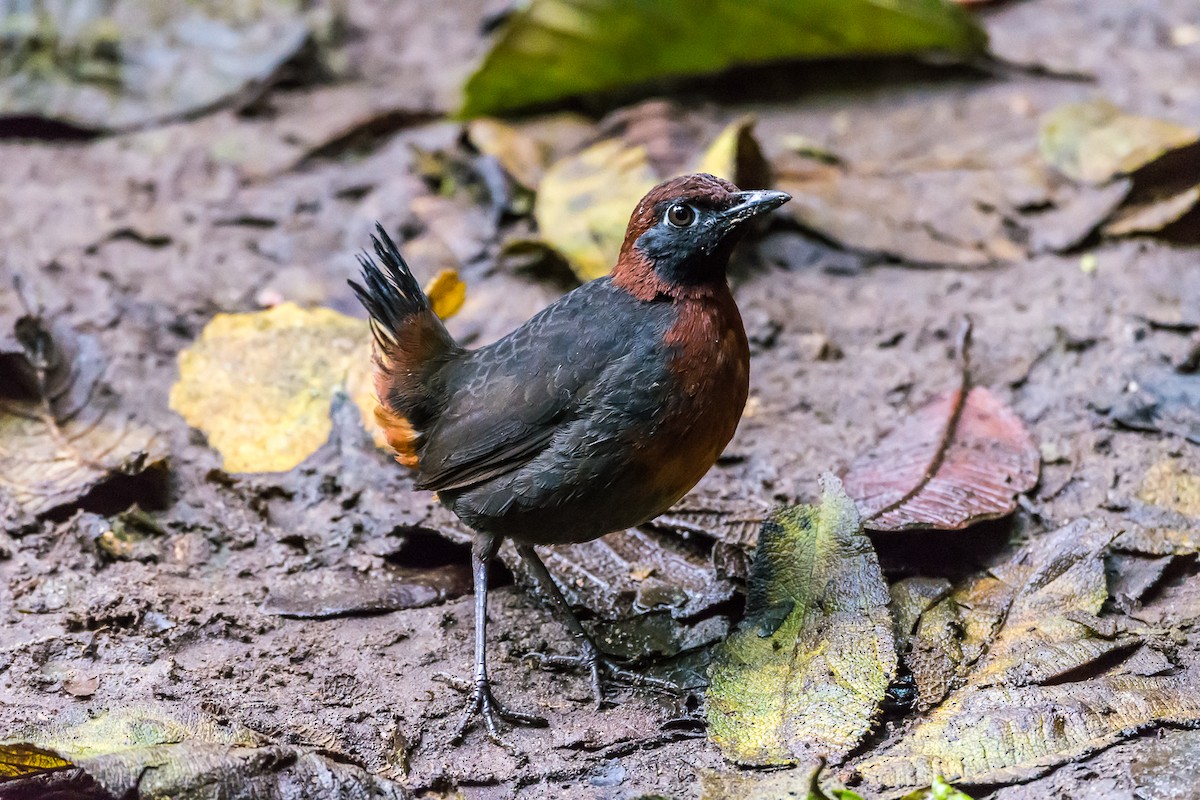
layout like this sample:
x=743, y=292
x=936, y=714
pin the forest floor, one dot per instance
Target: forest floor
x=139, y=239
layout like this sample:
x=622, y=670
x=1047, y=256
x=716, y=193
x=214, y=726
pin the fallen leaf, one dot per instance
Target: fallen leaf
x=1168, y=484
x=1164, y=517
x=121, y=64
x=922, y=214
x=951, y=463
x=523, y=157
x=1153, y=217
x=1027, y=696
x=1095, y=141
x=584, y=201
x=735, y=156
x=79, y=684
x=19, y=761
x=446, y=292
x=63, y=432
x=153, y=751
x=550, y=50
x=806, y=671
x=260, y=385
x=1163, y=400
x=1073, y=220
x=325, y=594
x=1004, y=734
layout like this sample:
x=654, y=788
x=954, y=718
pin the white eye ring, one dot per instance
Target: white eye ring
x=680, y=215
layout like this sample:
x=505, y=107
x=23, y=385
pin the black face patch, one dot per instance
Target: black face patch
x=691, y=254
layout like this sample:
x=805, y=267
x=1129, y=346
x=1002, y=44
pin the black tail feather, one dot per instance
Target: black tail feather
x=391, y=294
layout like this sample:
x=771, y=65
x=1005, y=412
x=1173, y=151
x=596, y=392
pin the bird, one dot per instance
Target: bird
x=596, y=415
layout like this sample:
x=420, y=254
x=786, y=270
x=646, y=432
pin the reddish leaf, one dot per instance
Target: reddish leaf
x=951, y=464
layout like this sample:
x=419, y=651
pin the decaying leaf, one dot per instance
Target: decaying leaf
x=62, y=430
x=22, y=760
x=951, y=463
x=803, y=676
x=1162, y=399
x=584, y=200
x=325, y=594
x=1153, y=217
x=525, y=149
x=736, y=156
x=260, y=385
x=153, y=751
x=1033, y=688
x=1003, y=734
x=119, y=64
x=550, y=50
x=1095, y=141
x=954, y=214
x=1164, y=517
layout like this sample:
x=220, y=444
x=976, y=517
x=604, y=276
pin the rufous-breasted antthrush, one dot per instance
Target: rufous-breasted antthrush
x=594, y=416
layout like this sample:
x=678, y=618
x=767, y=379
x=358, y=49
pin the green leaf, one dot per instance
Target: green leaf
x=804, y=675
x=555, y=49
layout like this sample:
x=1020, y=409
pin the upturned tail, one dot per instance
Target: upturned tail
x=411, y=345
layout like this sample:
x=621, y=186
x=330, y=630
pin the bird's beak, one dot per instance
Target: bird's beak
x=751, y=204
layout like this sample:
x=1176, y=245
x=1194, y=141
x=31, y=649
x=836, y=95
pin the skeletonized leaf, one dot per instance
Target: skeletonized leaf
x=550, y=50
x=62, y=430
x=948, y=465
x=803, y=676
x=1095, y=141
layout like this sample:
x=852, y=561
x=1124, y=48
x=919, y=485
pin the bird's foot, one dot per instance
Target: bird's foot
x=482, y=703
x=604, y=670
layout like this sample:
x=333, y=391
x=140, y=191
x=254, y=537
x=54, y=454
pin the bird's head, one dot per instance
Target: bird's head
x=683, y=230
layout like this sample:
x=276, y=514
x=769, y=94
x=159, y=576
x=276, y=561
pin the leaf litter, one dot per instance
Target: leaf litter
x=63, y=431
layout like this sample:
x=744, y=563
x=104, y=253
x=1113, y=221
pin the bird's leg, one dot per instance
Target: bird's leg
x=601, y=666
x=482, y=702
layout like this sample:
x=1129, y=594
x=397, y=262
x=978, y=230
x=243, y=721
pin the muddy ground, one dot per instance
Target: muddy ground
x=140, y=238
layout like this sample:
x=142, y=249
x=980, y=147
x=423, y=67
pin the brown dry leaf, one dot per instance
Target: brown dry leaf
x=62, y=430
x=1095, y=141
x=956, y=214
x=260, y=385
x=584, y=200
x=804, y=675
x=950, y=464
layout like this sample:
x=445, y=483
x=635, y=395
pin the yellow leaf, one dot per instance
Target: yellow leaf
x=260, y=385
x=585, y=200
x=446, y=293
x=1096, y=141
x=22, y=760
x=735, y=156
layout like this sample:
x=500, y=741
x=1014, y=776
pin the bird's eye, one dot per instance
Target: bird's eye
x=681, y=215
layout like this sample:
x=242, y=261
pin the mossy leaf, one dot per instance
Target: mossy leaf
x=804, y=675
